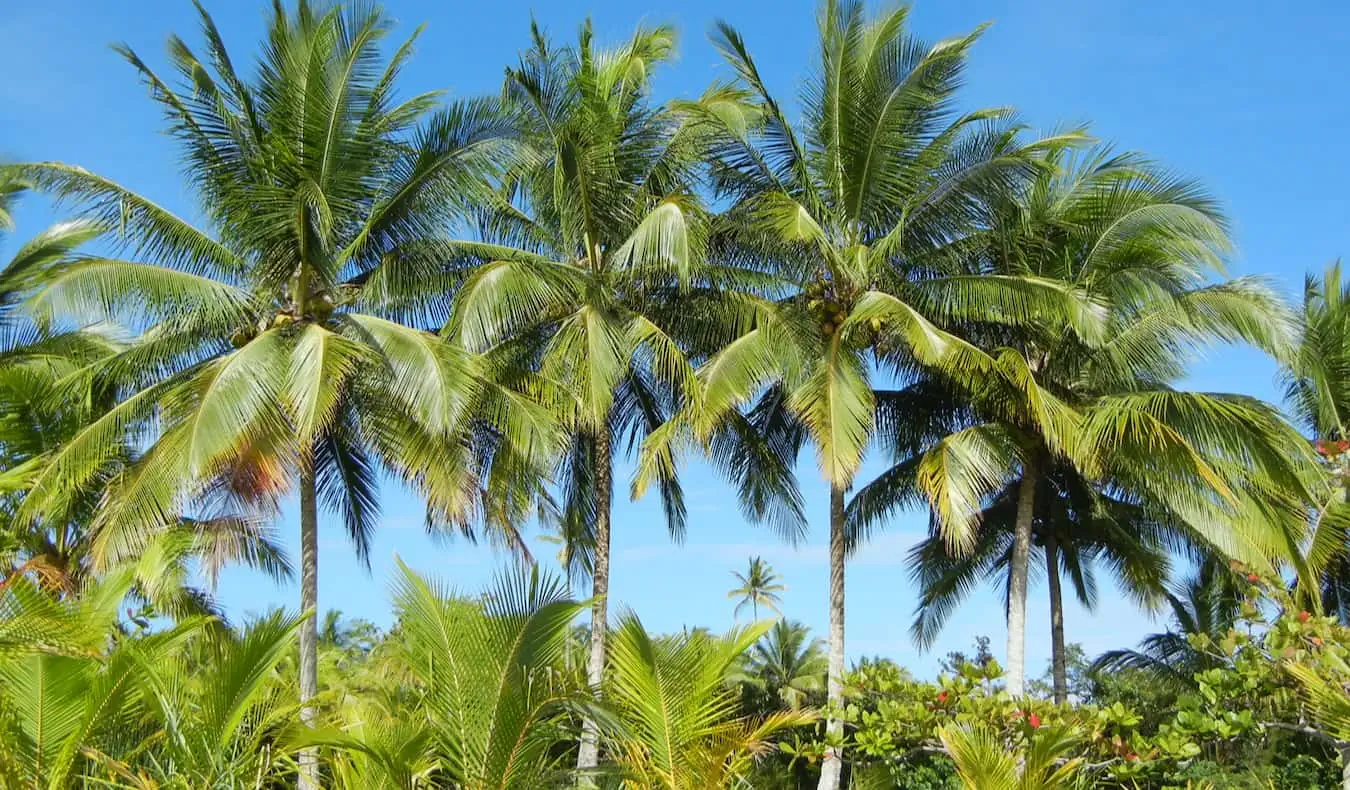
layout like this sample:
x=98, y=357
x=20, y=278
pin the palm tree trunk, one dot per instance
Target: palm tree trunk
x=1017, y=581
x=309, y=603
x=588, y=756
x=833, y=765
x=1059, y=671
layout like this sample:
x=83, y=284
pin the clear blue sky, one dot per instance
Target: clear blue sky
x=1224, y=91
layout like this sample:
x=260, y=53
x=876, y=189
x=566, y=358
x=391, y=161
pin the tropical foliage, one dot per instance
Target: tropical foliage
x=500, y=303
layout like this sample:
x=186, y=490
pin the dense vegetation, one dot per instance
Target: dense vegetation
x=497, y=300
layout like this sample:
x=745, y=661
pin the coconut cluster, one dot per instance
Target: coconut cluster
x=319, y=307
x=826, y=306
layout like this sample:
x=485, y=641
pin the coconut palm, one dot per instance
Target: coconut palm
x=787, y=664
x=1317, y=377
x=758, y=585
x=588, y=268
x=678, y=727
x=1206, y=604
x=274, y=356
x=1076, y=529
x=1317, y=388
x=1143, y=244
x=860, y=216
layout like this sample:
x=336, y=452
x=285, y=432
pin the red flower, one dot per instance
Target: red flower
x=1317, y=640
x=1131, y=756
x=1253, y=578
x=1320, y=446
x=1303, y=617
x=1034, y=720
x=1342, y=446
x=942, y=698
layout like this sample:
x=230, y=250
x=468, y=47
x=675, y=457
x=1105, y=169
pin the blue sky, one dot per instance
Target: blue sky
x=1222, y=91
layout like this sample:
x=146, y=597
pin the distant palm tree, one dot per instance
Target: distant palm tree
x=1206, y=604
x=759, y=585
x=787, y=664
x=285, y=341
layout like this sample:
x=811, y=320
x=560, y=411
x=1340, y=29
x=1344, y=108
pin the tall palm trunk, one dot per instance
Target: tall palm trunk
x=1059, y=671
x=833, y=765
x=309, y=602
x=588, y=756
x=1017, y=581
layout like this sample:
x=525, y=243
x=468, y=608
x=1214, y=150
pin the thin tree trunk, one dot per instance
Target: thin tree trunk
x=588, y=756
x=833, y=765
x=1059, y=670
x=1017, y=582
x=1344, y=750
x=309, y=602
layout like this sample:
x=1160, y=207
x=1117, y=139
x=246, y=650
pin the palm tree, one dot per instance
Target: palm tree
x=859, y=217
x=1142, y=244
x=678, y=725
x=1317, y=376
x=273, y=353
x=787, y=664
x=1317, y=388
x=1077, y=528
x=589, y=270
x=759, y=584
x=1205, y=605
